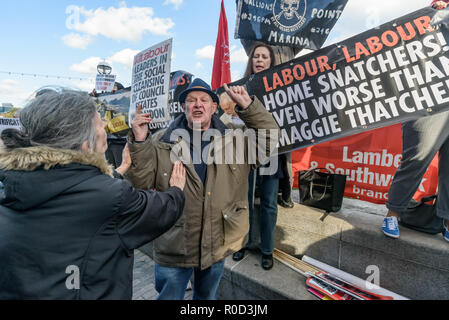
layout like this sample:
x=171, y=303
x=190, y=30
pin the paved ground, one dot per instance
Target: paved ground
x=143, y=280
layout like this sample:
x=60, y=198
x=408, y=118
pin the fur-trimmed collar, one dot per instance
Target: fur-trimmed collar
x=28, y=159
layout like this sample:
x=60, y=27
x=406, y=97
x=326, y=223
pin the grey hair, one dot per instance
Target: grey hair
x=62, y=120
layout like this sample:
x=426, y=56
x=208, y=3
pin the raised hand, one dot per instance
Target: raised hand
x=439, y=5
x=140, y=124
x=178, y=176
x=239, y=95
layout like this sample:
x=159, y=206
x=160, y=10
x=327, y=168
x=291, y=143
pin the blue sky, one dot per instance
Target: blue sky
x=46, y=38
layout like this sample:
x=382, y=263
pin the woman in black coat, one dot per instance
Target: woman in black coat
x=67, y=227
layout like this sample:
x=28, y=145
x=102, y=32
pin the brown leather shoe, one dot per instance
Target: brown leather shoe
x=267, y=261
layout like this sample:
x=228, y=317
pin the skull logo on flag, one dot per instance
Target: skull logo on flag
x=289, y=15
x=290, y=8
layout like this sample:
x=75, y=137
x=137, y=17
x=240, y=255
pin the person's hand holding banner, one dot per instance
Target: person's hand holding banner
x=151, y=81
x=140, y=124
x=394, y=73
x=239, y=95
x=439, y=5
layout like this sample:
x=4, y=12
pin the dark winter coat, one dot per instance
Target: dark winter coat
x=68, y=229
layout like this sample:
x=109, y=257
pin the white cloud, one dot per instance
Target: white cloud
x=238, y=60
x=84, y=85
x=7, y=86
x=176, y=3
x=12, y=91
x=236, y=75
x=88, y=66
x=121, y=23
x=77, y=41
x=125, y=57
x=206, y=52
x=239, y=56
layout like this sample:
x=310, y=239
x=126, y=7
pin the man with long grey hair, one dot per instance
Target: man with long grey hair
x=67, y=227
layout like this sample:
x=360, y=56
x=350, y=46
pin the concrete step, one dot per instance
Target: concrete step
x=415, y=266
x=247, y=280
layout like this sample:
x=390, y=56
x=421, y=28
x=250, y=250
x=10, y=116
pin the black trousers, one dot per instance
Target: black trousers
x=114, y=152
x=285, y=188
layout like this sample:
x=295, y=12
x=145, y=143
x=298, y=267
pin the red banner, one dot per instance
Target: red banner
x=369, y=160
x=221, y=72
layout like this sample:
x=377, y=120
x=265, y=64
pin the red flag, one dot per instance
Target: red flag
x=221, y=73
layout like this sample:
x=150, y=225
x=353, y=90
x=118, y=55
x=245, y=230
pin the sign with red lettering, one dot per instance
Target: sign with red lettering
x=151, y=82
x=105, y=82
x=179, y=81
x=387, y=75
x=369, y=160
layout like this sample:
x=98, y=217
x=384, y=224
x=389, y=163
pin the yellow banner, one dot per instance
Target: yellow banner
x=117, y=124
x=9, y=114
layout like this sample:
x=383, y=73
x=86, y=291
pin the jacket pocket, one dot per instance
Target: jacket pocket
x=235, y=222
x=172, y=242
x=162, y=180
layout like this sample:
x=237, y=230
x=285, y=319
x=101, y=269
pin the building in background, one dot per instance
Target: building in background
x=5, y=107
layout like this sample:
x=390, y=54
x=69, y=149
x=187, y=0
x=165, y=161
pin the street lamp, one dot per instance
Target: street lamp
x=104, y=68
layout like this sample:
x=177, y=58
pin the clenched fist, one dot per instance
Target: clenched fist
x=239, y=95
x=439, y=5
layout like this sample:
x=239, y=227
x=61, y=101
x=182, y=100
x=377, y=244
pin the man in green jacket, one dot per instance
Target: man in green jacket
x=214, y=223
